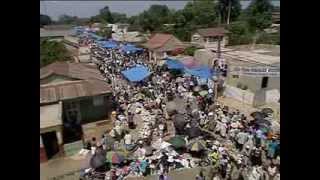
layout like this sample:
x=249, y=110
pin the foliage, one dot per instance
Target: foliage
x=45, y=20
x=223, y=8
x=66, y=19
x=239, y=33
x=105, y=15
x=269, y=38
x=190, y=50
x=259, y=14
x=51, y=51
x=119, y=17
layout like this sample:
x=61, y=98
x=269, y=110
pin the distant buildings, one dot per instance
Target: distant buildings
x=160, y=45
x=72, y=95
x=209, y=37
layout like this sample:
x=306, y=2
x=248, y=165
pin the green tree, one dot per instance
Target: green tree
x=239, y=33
x=105, y=32
x=66, y=19
x=45, y=20
x=229, y=10
x=119, y=17
x=52, y=51
x=105, y=15
x=259, y=14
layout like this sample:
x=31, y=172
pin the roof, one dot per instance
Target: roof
x=55, y=33
x=209, y=32
x=72, y=70
x=158, y=40
x=50, y=115
x=72, y=89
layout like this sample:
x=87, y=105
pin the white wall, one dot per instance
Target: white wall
x=241, y=95
x=272, y=96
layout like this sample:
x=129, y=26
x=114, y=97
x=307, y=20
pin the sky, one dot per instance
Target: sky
x=90, y=8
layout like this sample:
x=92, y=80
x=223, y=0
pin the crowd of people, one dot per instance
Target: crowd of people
x=169, y=105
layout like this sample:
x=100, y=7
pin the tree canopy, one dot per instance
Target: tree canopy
x=52, y=51
x=259, y=14
x=45, y=20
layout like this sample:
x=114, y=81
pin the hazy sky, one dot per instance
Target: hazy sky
x=89, y=8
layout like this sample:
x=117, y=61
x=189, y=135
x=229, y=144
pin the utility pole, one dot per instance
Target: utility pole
x=229, y=11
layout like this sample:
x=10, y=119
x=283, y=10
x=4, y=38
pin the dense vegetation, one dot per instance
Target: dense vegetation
x=245, y=26
x=51, y=51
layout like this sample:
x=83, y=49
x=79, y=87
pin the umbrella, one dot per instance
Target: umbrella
x=97, y=160
x=115, y=157
x=179, y=121
x=177, y=141
x=257, y=115
x=203, y=93
x=196, y=146
x=194, y=132
x=267, y=111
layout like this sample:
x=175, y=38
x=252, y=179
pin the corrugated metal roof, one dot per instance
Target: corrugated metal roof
x=73, y=70
x=72, y=89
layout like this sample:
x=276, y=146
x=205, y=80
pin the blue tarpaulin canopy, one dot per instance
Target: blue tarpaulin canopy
x=108, y=44
x=202, y=72
x=136, y=74
x=130, y=49
x=174, y=64
x=96, y=37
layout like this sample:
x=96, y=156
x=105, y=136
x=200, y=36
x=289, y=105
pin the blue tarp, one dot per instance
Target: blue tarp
x=96, y=37
x=130, y=49
x=107, y=44
x=174, y=64
x=136, y=74
x=202, y=72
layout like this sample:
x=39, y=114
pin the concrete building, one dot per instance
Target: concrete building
x=209, y=37
x=72, y=95
x=160, y=45
x=256, y=90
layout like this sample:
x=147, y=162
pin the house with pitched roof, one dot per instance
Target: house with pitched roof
x=72, y=95
x=209, y=37
x=160, y=45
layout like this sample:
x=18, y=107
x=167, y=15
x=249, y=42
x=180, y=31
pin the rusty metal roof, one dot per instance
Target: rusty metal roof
x=73, y=89
x=72, y=70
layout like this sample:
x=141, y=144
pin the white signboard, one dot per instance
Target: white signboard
x=255, y=71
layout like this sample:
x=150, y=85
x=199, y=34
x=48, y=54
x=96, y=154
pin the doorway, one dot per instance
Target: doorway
x=264, y=82
x=50, y=142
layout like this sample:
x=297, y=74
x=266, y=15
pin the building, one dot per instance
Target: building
x=72, y=95
x=160, y=45
x=209, y=37
x=256, y=90
x=131, y=37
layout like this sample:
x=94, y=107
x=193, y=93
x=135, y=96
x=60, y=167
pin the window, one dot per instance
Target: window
x=264, y=82
x=98, y=101
x=235, y=76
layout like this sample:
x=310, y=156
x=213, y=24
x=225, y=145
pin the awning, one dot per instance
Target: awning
x=137, y=73
x=174, y=64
